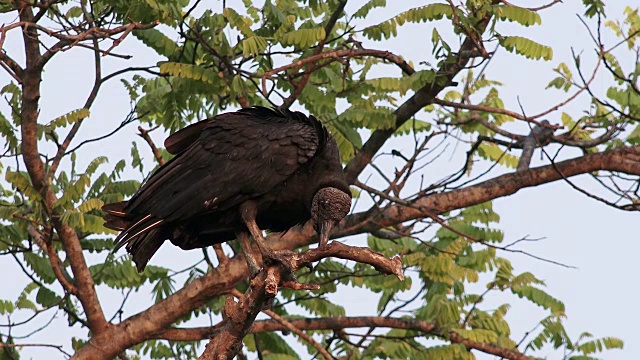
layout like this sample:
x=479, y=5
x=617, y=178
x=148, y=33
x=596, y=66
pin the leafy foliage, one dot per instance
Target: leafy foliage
x=317, y=57
x=526, y=47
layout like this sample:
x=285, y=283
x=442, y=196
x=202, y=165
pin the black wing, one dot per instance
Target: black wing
x=236, y=157
x=221, y=162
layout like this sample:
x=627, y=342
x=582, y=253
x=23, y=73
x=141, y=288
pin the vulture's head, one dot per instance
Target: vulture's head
x=329, y=206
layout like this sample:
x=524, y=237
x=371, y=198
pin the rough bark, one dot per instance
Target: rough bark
x=29, y=127
x=423, y=97
x=154, y=320
x=341, y=323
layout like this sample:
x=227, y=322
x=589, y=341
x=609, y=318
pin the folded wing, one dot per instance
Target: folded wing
x=220, y=163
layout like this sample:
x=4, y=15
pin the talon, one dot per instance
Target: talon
x=281, y=257
x=253, y=272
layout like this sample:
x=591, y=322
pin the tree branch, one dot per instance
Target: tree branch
x=340, y=323
x=625, y=160
x=35, y=167
x=423, y=97
x=12, y=67
x=97, y=33
x=298, y=87
x=238, y=317
x=338, y=54
x=97, y=82
x=493, y=110
x=156, y=152
x=220, y=280
x=56, y=264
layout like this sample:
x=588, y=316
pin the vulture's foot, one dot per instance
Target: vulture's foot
x=253, y=268
x=282, y=257
x=252, y=264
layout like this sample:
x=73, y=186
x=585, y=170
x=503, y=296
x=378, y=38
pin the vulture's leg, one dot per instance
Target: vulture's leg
x=243, y=237
x=248, y=211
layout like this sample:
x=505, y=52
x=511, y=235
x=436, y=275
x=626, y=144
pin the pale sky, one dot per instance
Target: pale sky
x=600, y=241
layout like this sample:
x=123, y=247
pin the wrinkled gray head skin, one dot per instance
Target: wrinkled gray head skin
x=329, y=206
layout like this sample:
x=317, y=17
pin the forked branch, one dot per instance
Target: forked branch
x=226, y=342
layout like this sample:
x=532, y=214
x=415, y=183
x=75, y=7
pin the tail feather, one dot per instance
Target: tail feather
x=115, y=209
x=141, y=235
x=115, y=217
x=145, y=246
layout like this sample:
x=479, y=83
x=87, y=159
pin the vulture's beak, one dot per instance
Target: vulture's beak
x=324, y=230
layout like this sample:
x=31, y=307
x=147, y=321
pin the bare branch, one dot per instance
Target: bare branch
x=541, y=7
x=35, y=167
x=423, y=97
x=625, y=160
x=340, y=323
x=145, y=135
x=291, y=328
x=338, y=54
x=493, y=110
x=238, y=317
x=57, y=347
x=56, y=264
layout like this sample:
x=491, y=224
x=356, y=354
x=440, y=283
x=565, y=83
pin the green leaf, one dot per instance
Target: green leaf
x=366, y=8
x=528, y=48
x=520, y=15
x=253, y=45
x=539, y=298
x=493, y=152
x=599, y=345
x=158, y=41
x=40, y=266
x=90, y=204
x=302, y=38
x=388, y=29
x=241, y=23
x=22, y=183
x=68, y=118
x=413, y=126
x=46, y=297
x=189, y=71
x=6, y=307
x=74, y=12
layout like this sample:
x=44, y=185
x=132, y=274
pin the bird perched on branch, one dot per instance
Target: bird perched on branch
x=233, y=175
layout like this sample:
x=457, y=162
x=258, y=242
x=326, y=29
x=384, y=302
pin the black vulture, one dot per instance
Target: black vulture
x=233, y=175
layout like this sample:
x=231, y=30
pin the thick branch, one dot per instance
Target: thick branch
x=625, y=160
x=153, y=321
x=354, y=253
x=160, y=316
x=35, y=167
x=227, y=342
x=298, y=87
x=539, y=136
x=238, y=317
x=423, y=97
x=340, y=323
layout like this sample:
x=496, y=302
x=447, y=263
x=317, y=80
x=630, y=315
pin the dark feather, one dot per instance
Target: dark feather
x=278, y=158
